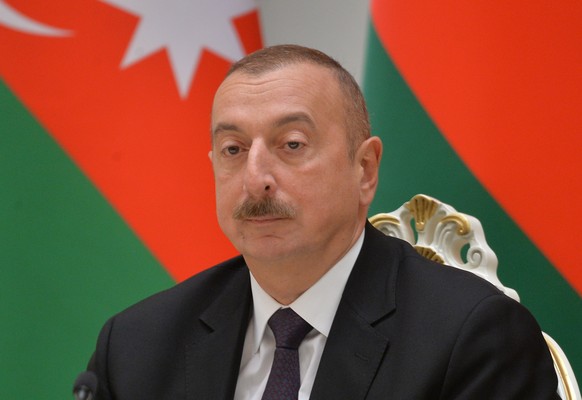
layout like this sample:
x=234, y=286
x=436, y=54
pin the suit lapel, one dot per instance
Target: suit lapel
x=213, y=358
x=356, y=347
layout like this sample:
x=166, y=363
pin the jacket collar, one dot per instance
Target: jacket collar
x=218, y=340
x=355, y=347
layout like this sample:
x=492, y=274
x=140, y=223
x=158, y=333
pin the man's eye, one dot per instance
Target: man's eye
x=294, y=145
x=231, y=150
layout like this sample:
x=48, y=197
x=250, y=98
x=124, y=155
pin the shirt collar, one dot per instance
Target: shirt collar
x=317, y=305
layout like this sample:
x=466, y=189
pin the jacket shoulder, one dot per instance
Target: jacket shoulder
x=191, y=296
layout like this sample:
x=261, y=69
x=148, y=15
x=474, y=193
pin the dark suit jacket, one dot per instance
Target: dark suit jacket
x=406, y=328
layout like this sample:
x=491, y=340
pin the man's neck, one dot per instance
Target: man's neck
x=286, y=280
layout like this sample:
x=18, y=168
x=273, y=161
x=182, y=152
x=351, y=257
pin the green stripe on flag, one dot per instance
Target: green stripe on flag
x=417, y=159
x=67, y=260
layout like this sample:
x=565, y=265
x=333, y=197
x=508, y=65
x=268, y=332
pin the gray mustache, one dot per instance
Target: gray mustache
x=266, y=207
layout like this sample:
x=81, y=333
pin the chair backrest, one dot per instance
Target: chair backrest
x=567, y=386
x=441, y=233
x=437, y=231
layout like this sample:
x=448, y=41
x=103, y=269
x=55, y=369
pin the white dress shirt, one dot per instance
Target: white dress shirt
x=317, y=306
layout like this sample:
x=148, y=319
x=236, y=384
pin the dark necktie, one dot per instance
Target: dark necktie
x=289, y=330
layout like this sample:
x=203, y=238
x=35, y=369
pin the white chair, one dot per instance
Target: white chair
x=438, y=232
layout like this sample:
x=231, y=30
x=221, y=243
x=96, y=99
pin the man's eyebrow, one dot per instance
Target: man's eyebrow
x=224, y=127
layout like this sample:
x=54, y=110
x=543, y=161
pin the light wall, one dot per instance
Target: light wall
x=336, y=27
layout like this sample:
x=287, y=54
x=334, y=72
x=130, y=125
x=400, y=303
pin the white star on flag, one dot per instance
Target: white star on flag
x=184, y=28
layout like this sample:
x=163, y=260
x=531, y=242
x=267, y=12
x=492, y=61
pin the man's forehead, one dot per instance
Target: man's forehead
x=289, y=90
x=277, y=122
x=306, y=76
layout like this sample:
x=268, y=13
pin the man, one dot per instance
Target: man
x=295, y=172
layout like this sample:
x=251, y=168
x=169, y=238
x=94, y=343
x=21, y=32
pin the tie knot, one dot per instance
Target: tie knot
x=289, y=328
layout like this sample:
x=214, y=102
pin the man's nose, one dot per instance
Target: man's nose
x=259, y=179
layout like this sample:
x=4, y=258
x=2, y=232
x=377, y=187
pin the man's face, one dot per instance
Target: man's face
x=280, y=138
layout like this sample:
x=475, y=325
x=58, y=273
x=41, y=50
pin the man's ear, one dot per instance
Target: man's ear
x=368, y=157
x=210, y=155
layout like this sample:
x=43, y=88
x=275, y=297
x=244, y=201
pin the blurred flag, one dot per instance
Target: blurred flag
x=106, y=190
x=479, y=105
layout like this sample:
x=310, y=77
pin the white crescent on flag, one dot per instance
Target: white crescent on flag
x=13, y=19
x=184, y=28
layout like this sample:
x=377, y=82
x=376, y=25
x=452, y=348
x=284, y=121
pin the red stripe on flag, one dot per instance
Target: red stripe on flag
x=128, y=129
x=503, y=83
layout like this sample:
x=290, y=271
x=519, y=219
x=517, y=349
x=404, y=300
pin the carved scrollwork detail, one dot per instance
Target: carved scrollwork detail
x=388, y=224
x=429, y=253
x=463, y=225
x=475, y=256
x=442, y=234
x=422, y=208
